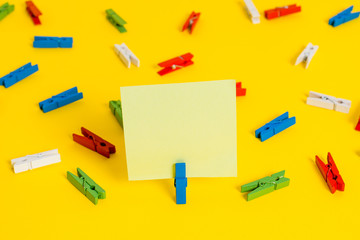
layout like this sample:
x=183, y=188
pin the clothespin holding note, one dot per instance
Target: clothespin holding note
x=115, y=107
x=240, y=91
x=5, y=10
x=265, y=185
x=180, y=183
x=34, y=12
x=191, y=22
x=331, y=174
x=86, y=186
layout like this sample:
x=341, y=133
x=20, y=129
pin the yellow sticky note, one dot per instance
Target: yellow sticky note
x=193, y=123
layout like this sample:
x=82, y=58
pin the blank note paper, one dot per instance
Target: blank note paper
x=193, y=123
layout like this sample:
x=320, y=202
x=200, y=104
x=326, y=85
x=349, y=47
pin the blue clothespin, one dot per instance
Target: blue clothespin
x=60, y=100
x=343, y=17
x=180, y=183
x=18, y=75
x=53, y=42
x=275, y=126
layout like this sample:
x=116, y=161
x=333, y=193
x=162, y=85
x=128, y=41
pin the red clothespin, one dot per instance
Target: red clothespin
x=176, y=64
x=357, y=128
x=34, y=12
x=94, y=142
x=331, y=174
x=240, y=91
x=191, y=22
x=282, y=11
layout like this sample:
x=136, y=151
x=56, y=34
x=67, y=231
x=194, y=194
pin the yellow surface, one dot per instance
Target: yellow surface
x=194, y=123
x=42, y=204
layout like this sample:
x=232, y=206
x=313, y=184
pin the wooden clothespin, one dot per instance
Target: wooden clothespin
x=34, y=12
x=252, y=11
x=328, y=102
x=331, y=174
x=30, y=162
x=94, y=142
x=18, y=75
x=116, y=20
x=176, y=64
x=180, y=183
x=307, y=54
x=191, y=22
x=240, y=91
x=274, y=127
x=115, y=107
x=282, y=11
x=126, y=56
x=343, y=17
x=60, y=100
x=86, y=186
x=5, y=10
x=265, y=185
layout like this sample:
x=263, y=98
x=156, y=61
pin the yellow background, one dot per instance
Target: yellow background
x=42, y=204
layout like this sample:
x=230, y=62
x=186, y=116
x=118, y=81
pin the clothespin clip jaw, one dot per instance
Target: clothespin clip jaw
x=331, y=174
x=307, y=54
x=34, y=12
x=30, y=162
x=191, y=22
x=5, y=10
x=265, y=185
x=252, y=11
x=60, y=100
x=94, y=142
x=52, y=42
x=180, y=183
x=115, y=107
x=116, y=20
x=274, y=127
x=282, y=11
x=328, y=102
x=18, y=75
x=343, y=17
x=86, y=186
x=176, y=64
x=126, y=56
x=240, y=91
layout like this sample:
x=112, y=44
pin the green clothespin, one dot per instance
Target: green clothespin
x=115, y=107
x=265, y=185
x=116, y=20
x=86, y=186
x=5, y=10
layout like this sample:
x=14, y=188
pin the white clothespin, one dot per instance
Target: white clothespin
x=35, y=161
x=126, y=56
x=253, y=12
x=307, y=54
x=328, y=102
